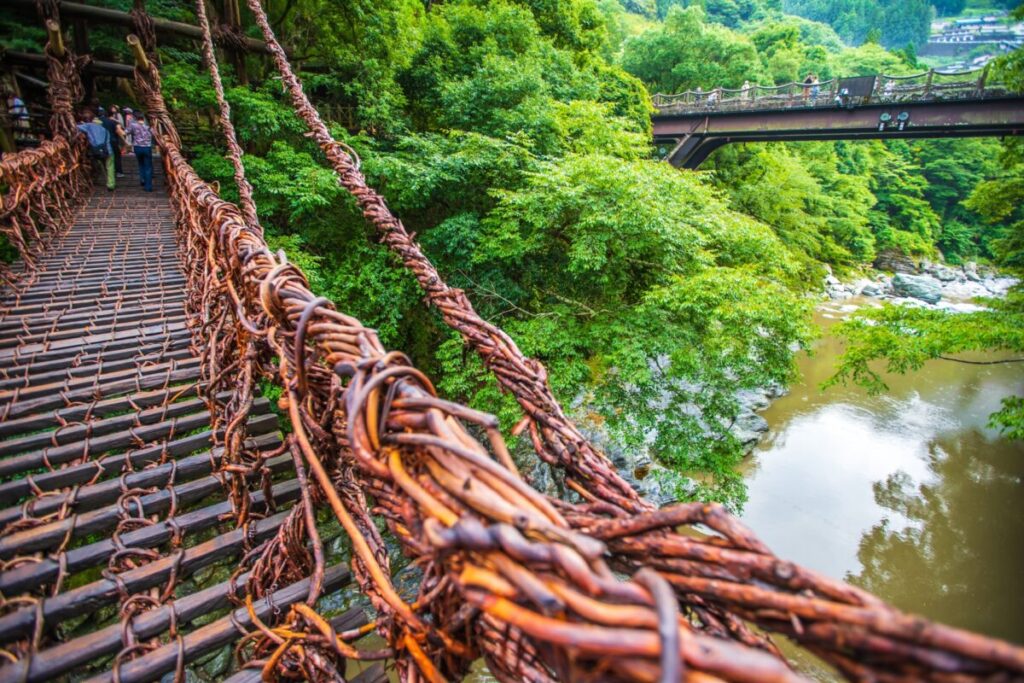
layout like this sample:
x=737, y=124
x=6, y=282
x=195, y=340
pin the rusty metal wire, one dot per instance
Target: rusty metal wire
x=528, y=582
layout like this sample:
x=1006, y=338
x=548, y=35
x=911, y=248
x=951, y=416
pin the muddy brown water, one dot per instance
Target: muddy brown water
x=908, y=494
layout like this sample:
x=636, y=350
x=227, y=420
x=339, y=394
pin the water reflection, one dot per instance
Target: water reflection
x=961, y=554
x=907, y=494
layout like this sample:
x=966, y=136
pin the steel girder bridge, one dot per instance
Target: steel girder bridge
x=691, y=125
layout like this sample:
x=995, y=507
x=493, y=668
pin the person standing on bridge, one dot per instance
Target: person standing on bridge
x=129, y=118
x=142, y=139
x=100, y=148
x=116, y=138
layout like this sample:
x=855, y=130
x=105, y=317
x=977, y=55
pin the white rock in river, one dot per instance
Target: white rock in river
x=965, y=290
x=923, y=287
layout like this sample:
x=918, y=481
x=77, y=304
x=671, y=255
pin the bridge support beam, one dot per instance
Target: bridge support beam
x=687, y=139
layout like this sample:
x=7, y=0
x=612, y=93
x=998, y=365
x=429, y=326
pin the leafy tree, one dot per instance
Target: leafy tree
x=640, y=246
x=893, y=22
x=949, y=8
x=686, y=52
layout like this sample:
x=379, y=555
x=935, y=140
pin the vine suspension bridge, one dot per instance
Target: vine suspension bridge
x=137, y=456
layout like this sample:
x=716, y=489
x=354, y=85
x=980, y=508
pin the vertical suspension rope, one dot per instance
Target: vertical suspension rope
x=245, y=200
x=555, y=438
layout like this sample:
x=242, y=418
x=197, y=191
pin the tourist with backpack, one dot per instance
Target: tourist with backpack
x=101, y=150
x=116, y=133
x=142, y=139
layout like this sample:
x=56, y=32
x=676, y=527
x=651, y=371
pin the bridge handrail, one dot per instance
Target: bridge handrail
x=43, y=186
x=926, y=85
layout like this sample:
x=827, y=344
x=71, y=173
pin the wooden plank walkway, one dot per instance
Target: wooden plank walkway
x=109, y=492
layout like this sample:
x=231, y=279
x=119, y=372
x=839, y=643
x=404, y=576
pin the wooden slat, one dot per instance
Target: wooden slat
x=218, y=633
x=76, y=432
x=94, y=409
x=129, y=385
x=91, y=497
x=33, y=575
x=88, y=448
x=49, y=535
x=88, y=598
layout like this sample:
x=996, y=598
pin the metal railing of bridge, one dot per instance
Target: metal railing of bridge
x=927, y=86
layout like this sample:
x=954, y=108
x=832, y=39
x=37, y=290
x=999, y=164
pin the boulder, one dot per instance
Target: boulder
x=871, y=289
x=923, y=287
x=895, y=262
x=943, y=273
x=971, y=271
x=835, y=292
x=965, y=290
x=748, y=428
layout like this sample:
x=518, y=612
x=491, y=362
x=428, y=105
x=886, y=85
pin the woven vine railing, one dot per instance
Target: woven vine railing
x=604, y=587
x=43, y=186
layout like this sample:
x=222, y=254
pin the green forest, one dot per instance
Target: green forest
x=514, y=138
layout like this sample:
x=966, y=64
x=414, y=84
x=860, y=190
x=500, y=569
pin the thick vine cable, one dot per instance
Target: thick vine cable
x=524, y=580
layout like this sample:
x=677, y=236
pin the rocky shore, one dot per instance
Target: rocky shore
x=927, y=284
x=934, y=285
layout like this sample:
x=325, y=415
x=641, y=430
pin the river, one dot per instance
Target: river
x=907, y=494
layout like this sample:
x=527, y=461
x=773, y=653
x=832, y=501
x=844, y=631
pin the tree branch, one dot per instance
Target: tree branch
x=981, y=362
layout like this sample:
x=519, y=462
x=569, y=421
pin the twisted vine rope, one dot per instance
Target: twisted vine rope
x=43, y=186
x=531, y=583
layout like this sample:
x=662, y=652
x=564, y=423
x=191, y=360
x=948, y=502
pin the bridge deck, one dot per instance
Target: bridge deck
x=109, y=491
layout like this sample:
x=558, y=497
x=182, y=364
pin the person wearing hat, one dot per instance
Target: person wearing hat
x=115, y=113
x=100, y=148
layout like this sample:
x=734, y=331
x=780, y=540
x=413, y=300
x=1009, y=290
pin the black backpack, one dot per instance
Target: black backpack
x=102, y=150
x=98, y=151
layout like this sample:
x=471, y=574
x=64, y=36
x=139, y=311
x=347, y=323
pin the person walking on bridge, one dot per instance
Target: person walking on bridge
x=116, y=138
x=100, y=147
x=142, y=139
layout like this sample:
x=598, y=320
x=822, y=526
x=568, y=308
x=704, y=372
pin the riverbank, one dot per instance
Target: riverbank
x=929, y=284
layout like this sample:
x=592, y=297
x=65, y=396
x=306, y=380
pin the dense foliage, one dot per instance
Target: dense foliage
x=513, y=137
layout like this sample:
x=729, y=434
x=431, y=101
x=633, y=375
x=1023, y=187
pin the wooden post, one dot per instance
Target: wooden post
x=105, y=15
x=56, y=39
x=981, y=80
x=6, y=134
x=233, y=16
x=141, y=60
x=928, y=83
